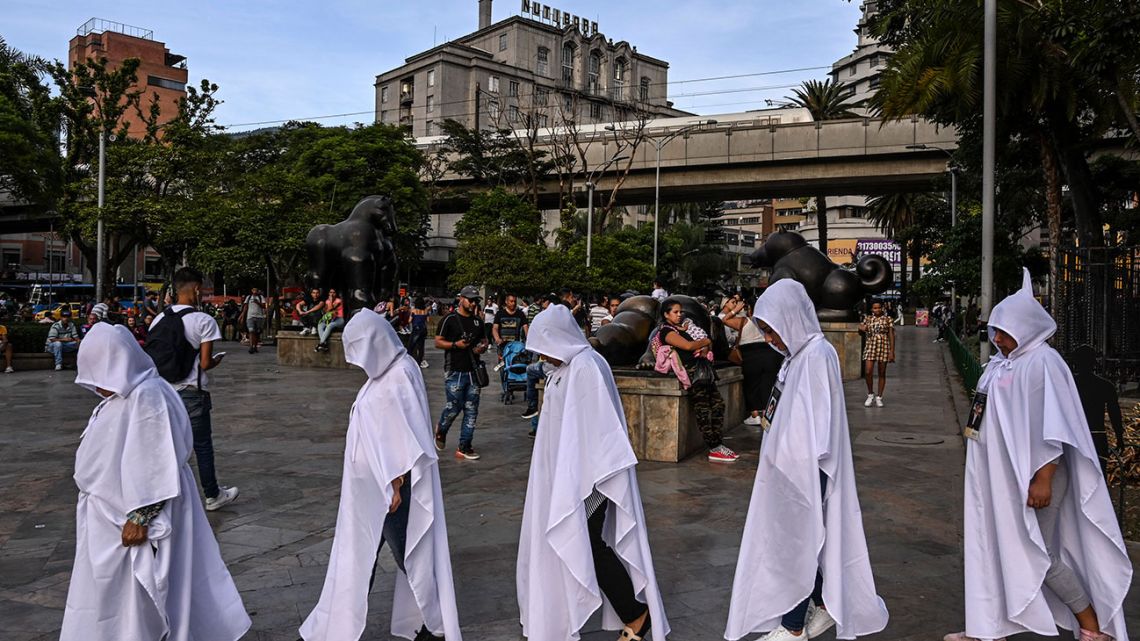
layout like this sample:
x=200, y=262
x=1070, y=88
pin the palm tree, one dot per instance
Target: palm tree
x=902, y=218
x=825, y=100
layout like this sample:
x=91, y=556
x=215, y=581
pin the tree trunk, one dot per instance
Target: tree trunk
x=1075, y=167
x=1129, y=115
x=915, y=260
x=902, y=277
x=821, y=222
x=1053, y=203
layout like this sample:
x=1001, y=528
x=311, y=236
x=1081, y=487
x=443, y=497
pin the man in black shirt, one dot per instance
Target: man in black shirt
x=460, y=335
x=510, y=322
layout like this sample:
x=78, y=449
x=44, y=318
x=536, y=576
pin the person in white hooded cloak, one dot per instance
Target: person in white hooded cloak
x=803, y=564
x=390, y=493
x=1042, y=546
x=147, y=565
x=584, y=542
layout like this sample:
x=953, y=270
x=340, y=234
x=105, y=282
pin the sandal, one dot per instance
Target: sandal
x=627, y=633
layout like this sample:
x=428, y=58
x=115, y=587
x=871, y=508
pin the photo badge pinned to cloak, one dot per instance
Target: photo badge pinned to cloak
x=770, y=409
x=974, y=421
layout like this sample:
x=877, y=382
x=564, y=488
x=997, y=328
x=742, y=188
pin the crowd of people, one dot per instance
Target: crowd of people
x=1042, y=546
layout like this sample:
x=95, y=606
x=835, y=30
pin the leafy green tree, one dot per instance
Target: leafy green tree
x=825, y=100
x=500, y=244
x=29, y=126
x=915, y=221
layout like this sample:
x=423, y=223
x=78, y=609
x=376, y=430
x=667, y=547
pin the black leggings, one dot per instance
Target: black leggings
x=613, y=578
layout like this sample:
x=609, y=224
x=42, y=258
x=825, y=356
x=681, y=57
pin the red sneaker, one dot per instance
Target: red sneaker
x=721, y=454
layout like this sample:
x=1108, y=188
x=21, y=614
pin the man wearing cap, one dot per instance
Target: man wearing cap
x=62, y=337
x=461, y=337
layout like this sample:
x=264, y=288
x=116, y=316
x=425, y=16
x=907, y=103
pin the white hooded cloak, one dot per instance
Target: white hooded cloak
x=582, y=443
x=135, y=453
x=791, y=530
x=389, y=434
x=1032, y=416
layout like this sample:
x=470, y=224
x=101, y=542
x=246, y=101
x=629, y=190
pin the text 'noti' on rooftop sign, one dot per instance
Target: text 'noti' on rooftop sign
x=558, y=18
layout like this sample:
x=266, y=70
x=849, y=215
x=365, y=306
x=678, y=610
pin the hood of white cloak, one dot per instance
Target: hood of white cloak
x=370, y=343
x=1023, y=318
x=554, y=333
x=786, y=308
x=110, y=358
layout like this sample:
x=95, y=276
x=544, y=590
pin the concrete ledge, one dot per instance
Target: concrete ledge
x=848, y=344
x=660, y=417
x=26, y=361
x=295, y=350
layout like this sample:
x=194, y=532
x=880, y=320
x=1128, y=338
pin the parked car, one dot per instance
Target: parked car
x=54, y=311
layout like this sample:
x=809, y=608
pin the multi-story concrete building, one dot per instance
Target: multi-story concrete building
x=162, y=75
x=860, y=71
x=527, y=70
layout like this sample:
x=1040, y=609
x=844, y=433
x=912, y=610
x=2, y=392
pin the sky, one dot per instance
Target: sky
x=303, y=59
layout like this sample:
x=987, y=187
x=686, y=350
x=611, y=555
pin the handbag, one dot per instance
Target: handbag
x=734, y=355
x=479, y=372
x=702, y=372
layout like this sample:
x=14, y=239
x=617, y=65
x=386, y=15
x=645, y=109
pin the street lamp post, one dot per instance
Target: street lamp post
x=659, y=143
x=989, y=138
x=953, y=170
x=100, y=251
x=590, y=186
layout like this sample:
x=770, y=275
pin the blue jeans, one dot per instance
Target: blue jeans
x=534, y=374
x=795, y=619
x=462, y=394
x=198, y=406
x=324, y=330
x=395, y=531
x=58, y=349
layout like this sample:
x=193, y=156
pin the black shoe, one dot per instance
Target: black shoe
x=531, y=411
x=252, y=350
x=440, y=440
x=532, y=433
x=425, y=635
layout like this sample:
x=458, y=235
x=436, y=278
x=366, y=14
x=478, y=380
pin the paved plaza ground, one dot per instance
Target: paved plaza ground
x=279, y=435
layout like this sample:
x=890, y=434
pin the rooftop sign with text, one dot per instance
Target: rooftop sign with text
x=557, y=17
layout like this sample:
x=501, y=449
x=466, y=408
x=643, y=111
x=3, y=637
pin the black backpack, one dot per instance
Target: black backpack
x=167, y=346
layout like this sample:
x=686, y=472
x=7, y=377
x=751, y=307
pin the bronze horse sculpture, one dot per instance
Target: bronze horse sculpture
x=356, y=256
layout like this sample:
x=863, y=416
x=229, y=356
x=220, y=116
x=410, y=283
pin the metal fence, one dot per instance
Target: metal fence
x=965, y=361
x=1098, y=304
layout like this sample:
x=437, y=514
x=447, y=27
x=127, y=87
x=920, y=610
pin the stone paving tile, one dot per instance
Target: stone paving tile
x=279, y=434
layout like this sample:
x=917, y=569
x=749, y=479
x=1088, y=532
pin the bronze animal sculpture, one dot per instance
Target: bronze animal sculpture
x=835, y=291
x=625, y=341
x=356, y=256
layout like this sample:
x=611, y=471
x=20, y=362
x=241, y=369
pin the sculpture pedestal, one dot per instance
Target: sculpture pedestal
x=848, y=344
x=295, y=350
x=660, y=418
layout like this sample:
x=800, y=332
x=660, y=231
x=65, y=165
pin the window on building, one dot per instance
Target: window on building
x=56, y=261
x=542, y=120
x=749, y=240
x=493, y=87
x=152, y=266
x=384, y=94
x=643, y=91
x=430, y=104
x=619, y=70
x=594, y=78
x=875, y=82
x=750, y=220
x=165, y=83
x=595, y=111
x=9, y=257
x=542, y=66
x=730, y=238
x=493, y=109
x=502, y=42
x=429, y=128
x=541, y=96
x=513, y=89
x=431, y=77
x=568, y=103
x=852, y=70
x=568, y=62
x=513, y=114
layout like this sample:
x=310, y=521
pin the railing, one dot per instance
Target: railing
x=99, y=25
x=964, y=361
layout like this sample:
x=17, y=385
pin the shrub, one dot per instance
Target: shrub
x=28, y=337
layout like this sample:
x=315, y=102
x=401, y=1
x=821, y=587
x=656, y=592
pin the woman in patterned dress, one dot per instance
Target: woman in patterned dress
x=879, y=330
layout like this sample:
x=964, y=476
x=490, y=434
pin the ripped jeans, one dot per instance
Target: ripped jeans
x=462, y=394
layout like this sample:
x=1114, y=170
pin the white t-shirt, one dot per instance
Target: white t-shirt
x=489, y=313
x=200, y=328
x=256, y=307
x=660, y=294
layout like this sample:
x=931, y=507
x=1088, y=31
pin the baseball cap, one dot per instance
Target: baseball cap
x=65, y=312
x=470, y=293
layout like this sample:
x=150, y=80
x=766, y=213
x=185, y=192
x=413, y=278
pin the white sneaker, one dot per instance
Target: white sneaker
x=423, y=364
x=58, y=367
x=782, y=634
x=878, y=401
x=305, y=332
x=869, y=401
x=818, y=621
x=962, y=636
x=9, y=370
x=225, y=496
x=752, y=420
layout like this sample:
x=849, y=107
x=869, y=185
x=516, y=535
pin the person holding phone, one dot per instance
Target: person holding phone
x=461, y=336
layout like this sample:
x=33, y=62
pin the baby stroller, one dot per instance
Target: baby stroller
x=512, y=371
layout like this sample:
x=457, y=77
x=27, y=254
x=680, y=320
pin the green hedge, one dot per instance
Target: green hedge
x=965, y=360
x=28, y=337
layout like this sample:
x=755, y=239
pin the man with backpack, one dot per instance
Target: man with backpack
x=253, y=311
x=181, y=343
